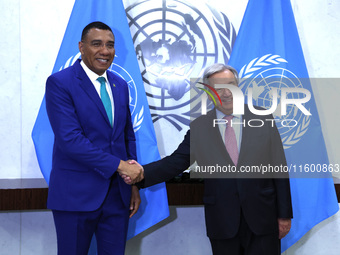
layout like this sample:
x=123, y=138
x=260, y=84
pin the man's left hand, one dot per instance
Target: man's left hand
x=284, y=227
x=135, y=200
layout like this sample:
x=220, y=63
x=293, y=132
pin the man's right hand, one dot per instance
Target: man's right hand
x=131, y=173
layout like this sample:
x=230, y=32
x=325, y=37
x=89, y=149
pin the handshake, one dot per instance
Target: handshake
x=131, y=171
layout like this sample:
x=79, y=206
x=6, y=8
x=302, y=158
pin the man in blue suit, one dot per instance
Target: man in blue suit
x=88, y=108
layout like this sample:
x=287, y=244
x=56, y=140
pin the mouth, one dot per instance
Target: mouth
x=229, y=100
x=102, y=60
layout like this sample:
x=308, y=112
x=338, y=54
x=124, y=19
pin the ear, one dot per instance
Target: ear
x=209, y=97
x=80, y=46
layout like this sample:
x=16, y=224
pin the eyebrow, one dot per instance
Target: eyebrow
x=96, y=40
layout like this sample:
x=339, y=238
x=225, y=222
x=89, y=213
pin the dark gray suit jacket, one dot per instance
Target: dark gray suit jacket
x=261, y=200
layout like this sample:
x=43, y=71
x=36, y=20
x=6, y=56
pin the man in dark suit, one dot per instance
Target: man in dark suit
x=244, y=214
x=88, y=108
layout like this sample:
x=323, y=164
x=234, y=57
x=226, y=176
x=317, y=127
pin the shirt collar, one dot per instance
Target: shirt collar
x=220, y=115
x=92, y=75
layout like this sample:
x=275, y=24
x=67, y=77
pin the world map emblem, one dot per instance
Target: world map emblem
x=174, y=42
x=265, y=74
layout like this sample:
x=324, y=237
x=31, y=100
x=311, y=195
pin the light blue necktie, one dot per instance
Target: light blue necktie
x=105, y=98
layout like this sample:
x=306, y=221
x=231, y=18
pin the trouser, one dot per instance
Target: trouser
x=247, y=243
x=109, y=223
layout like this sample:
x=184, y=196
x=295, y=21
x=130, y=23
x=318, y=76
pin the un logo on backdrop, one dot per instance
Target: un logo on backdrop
x=174, y=41
x=264, y=74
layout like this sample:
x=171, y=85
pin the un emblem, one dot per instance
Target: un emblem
x=265, y=74
x=174, y=41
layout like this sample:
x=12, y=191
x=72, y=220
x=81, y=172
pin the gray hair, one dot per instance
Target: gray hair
x=217, y=68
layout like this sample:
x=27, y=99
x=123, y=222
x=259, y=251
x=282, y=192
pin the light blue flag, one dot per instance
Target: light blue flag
x=268, y=45
x=154, y=206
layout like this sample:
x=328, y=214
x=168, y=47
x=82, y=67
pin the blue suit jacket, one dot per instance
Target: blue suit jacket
x=87, y=150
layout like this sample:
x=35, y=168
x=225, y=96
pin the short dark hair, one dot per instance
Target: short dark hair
x=217, y=68
x=96, y=24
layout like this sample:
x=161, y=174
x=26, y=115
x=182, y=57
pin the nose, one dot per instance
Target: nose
x=226, y=92
x=104, y=50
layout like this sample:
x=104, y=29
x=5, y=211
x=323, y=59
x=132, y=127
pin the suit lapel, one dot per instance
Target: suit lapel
x=246, y=130
x=116, y=100
x=215, y=135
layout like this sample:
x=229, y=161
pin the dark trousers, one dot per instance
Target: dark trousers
x=247, y=243
x=109, y=223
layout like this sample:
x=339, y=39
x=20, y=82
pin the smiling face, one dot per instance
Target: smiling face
x=224, y=77
x=97, y=50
